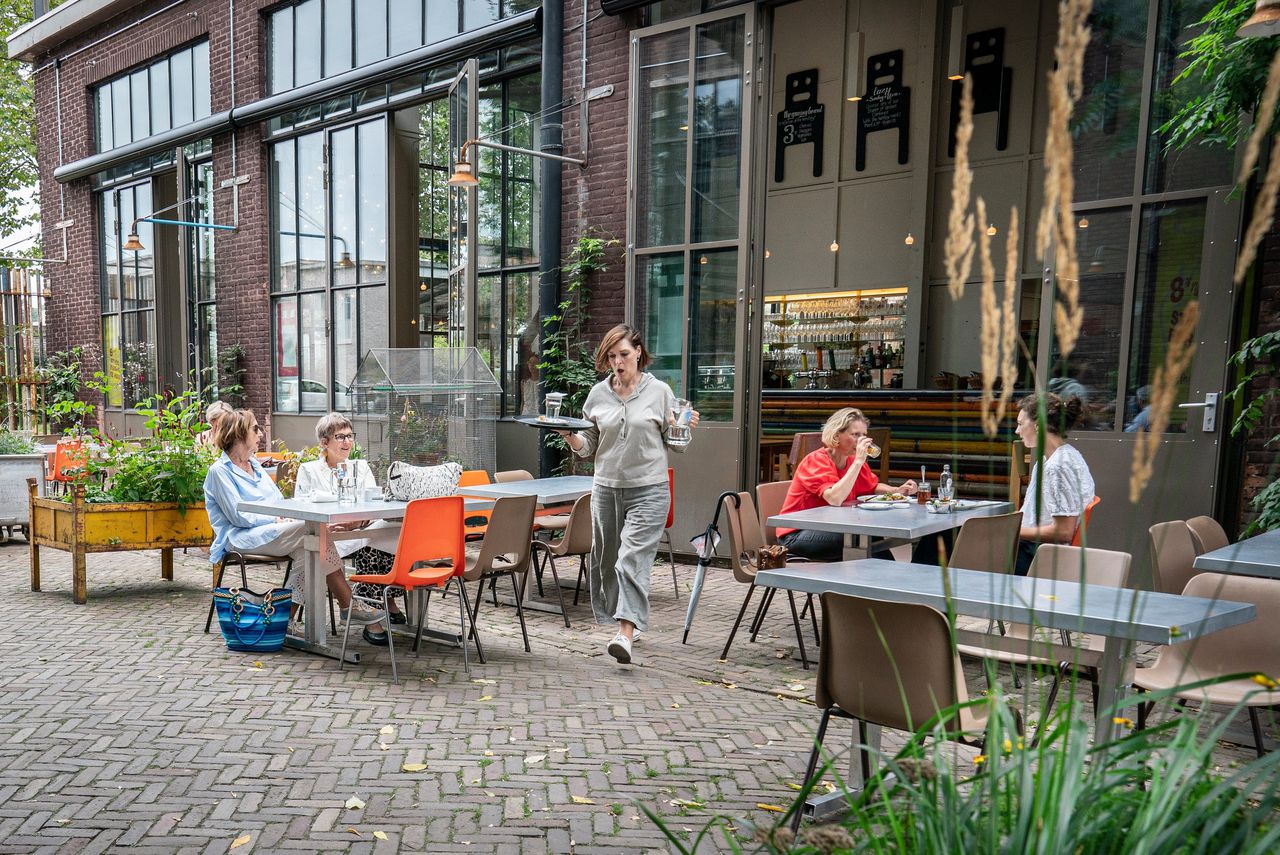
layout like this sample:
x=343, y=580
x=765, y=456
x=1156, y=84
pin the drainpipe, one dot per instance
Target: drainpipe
x=549, y=207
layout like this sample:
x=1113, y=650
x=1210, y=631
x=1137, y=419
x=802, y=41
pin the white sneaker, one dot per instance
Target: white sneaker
x=360, y=613
x=620, y=649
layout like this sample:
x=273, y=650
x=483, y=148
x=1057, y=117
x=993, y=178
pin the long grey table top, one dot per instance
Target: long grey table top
x=550, y=491
x=1257, y=556
x=1095, y=609
x=332, y=512
x=911, y=522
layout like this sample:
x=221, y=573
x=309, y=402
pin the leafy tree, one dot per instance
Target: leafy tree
x=18, y=171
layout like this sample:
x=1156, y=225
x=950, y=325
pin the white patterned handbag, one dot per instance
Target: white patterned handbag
x=406, y=483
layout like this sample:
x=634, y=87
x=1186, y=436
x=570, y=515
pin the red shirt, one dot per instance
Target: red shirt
x=816, y=474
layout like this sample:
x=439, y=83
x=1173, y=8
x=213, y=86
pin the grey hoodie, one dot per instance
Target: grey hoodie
x=629, y=439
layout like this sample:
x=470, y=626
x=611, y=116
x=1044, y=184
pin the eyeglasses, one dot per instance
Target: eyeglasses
x=344, y=437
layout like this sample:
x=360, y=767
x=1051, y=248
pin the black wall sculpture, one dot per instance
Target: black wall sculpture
x=992, y=84
x=801, y=121
x=885, y=106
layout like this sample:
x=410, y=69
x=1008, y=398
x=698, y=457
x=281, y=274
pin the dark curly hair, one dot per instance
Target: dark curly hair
x=1061, y=414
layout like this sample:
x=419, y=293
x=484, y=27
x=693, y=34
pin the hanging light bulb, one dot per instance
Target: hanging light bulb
x=991, y=229
x=835, y=247
x=908, y=240
x=702, y=260
x=422, y=286
x=767, y=253
x=1084, y=223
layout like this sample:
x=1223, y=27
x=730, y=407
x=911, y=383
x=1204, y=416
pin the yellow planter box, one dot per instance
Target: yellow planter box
x=80, y=527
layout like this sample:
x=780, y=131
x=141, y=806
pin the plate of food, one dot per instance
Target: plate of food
x=883, y=498
x=558, y=423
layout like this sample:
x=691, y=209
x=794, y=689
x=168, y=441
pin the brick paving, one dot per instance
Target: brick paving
x=123, y=726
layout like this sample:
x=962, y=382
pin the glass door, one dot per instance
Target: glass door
x=463, y=252
x=688, y=229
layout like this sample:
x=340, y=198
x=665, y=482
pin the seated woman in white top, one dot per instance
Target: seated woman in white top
x=372, y=554
x=1062, y=487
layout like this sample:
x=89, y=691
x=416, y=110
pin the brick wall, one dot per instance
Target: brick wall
x=1261, y=464
x=62, y=87
x=595, y=196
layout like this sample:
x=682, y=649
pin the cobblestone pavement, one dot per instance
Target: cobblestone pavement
x=124, y=726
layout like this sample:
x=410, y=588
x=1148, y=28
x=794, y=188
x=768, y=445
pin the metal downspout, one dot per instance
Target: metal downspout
x=549, y=209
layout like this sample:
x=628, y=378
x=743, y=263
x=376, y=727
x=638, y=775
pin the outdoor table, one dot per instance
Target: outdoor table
x=1121, y=615
x=550, y=491
x=904, y=524
x=1256, y=556
x=319, y=516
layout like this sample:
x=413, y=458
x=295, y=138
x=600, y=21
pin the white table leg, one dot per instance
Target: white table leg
x=1111, y=675
x=316, y=585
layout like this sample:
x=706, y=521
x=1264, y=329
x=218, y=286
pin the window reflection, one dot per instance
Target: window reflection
x=128, y=305
x=1104, y=126
x=712, y=346
x=166, y=93
x=660, y=303
x=662, y=139
x=717, y=126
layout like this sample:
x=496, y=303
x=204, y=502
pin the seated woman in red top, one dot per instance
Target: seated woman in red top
x=835, y=475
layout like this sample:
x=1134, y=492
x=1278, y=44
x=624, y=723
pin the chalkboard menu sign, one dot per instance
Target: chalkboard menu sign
x=800, y=122
x=885, y=106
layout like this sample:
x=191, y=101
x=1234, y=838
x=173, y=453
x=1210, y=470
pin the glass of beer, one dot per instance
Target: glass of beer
x=873, y=451
x=922, y=492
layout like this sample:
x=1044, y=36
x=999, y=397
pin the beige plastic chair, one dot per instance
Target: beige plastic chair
x=1250, y=647
x=989, y=544
x=1207, y=534
x=505, y=551
x=575, y=540
x=508, y=475
x=746, y=538
x=1173, y=556
x=889, y=664
x=1065, y=564
x=770, y=498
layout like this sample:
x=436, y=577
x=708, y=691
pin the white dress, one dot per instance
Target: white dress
x=1068, y=488
x=315, y=476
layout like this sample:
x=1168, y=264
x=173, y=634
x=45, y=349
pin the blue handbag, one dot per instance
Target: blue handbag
x=251, y=622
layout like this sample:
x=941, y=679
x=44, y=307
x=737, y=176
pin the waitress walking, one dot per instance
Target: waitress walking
x=632, y=415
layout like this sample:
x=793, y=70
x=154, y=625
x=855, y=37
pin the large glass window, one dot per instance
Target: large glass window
x=168, y=93
x=329, y=272
x=127, y=291
x=201, y=293
x=662, y=141
x=312, y=39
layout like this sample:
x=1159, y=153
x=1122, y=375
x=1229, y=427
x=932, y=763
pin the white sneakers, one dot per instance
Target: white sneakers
x=620, y=649
x=361, y=613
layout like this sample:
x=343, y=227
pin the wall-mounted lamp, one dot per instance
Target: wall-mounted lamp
x=133, y=244
x=908, y=240
x=854, y=87
x=955, y=43
x=464, y=176
x=1264, y=22
x=62, y=226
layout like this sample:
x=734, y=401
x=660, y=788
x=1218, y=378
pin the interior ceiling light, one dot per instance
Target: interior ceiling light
x=955, y=44
x=835, y=247
x=908, y=240
x=853, y=85
x=1084, y=223
x=1264, y=22
x=991, y=229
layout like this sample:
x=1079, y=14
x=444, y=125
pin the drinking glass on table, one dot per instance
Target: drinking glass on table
x=344, y=475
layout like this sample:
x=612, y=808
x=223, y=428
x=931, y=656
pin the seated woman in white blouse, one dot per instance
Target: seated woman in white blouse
x=372, y=554
x=1063, y=482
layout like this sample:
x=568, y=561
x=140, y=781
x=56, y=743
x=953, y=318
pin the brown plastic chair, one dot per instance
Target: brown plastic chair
x=1082, y=529
x=989, y=544
x=746, y=538
x=508, y=475
x=1065, y=564
x=770, y=498
x=888, y=664
x=505, y=551
x=1173, y=556
x=1251, y=647
x=1207, y=534
x=576, y=540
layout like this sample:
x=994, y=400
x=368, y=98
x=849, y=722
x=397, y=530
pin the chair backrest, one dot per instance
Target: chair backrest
x=431, y=532
x=509, y=475
x=1173, y=556
x=802, y=444
x=507, y=536
x=1081, y=564
x=987, y=543
x=473, y=478
x=1248, y=647
x=890, y=664
x=671, y=494
x=1083, y=528
x=769, y=500
x=746, y=536
x=1207, y=534
x=69, y=459
x=881, y=436
x=576, y=539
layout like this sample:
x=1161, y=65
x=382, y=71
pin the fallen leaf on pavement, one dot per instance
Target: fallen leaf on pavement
x=484, y=682
x=354, y=803
x=413, y=767
x=796, y=687
x=774, y=808
x=354, y=831
x=579, y=800
x=534, y=758
x=384, y=746
x=241, y=840
x=387, y=730
x=687, y=803
x=486, y=697
x=381, y=835
x=488, y=753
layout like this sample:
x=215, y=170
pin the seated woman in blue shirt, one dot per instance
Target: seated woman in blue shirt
x=237, y=477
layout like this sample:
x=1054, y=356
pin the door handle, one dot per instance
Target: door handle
x=1210, y=407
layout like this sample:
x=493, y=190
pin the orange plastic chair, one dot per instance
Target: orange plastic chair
x=431, y=553
x=69, y=459
x=1084, y=523
x=666, y=530
x=477, y=521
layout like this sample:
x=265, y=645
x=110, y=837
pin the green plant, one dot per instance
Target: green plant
x=231, y=375
x=1217, y=91
x=568, y=361
x=1259, y=361
x=60, y=384
x=1154, y=790
x=15, y=443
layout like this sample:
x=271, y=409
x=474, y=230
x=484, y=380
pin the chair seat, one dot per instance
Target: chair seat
x=1172, y=671
x=500, y=564
x=419, y=578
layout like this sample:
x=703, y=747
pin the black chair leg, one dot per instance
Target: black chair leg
x=555, y=581
x=466, y=608
x=475, y=610
x=1256, y=722
x=795, y=621
x=864, y=752
x=813, y=618
x=746, y=601
x=582, y=572
x=524, y=631
x=217, y=583
x=763, y=609
x=813, y=762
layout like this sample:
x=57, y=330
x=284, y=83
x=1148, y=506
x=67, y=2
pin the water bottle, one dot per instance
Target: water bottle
x=946, y=489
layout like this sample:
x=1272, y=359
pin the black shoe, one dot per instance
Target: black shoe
x=398, y=618
x=377, y=639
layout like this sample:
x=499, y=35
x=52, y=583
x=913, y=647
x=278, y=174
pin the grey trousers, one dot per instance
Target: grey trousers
x=626, y=525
